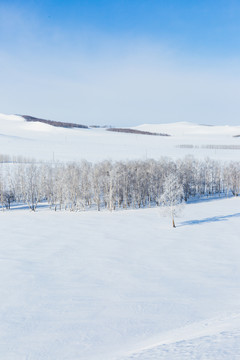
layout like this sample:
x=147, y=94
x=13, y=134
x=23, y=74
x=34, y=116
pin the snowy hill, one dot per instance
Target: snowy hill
x=188, y=129
x=46, y=142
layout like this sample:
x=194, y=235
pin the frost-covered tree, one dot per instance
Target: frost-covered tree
x=234, y=169
x=172, y=196
x=31, y=186
x=122, y=184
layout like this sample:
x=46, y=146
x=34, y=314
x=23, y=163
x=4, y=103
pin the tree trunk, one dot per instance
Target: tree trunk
x=173, y=223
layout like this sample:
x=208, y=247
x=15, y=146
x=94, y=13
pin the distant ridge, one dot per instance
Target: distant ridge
x=54, y=123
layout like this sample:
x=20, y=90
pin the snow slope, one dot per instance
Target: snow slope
x=188, y=129
x=45, y=142
x=121, y=285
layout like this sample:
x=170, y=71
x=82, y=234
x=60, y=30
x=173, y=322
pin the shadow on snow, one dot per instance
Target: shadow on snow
x=209, y=220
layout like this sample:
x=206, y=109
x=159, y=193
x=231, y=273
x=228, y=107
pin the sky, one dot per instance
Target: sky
x=121, y=62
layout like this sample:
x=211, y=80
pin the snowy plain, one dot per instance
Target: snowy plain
x=120, y=285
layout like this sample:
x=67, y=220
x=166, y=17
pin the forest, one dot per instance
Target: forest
x=112, y=185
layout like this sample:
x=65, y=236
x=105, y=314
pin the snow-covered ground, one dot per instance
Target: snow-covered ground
x=121, y=285
x=45, y=142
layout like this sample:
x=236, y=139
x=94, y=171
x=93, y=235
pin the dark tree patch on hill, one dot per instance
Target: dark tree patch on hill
x=54, y=123
x=138, y=132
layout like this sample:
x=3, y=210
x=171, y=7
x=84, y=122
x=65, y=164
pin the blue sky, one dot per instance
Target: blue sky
x=121, y=62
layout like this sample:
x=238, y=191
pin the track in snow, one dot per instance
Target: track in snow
x=212, y=339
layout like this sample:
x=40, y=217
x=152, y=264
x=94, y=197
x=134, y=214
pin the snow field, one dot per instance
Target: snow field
x=121, y=285
x=45, y=142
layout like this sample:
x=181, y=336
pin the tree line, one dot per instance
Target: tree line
x=112, y=185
